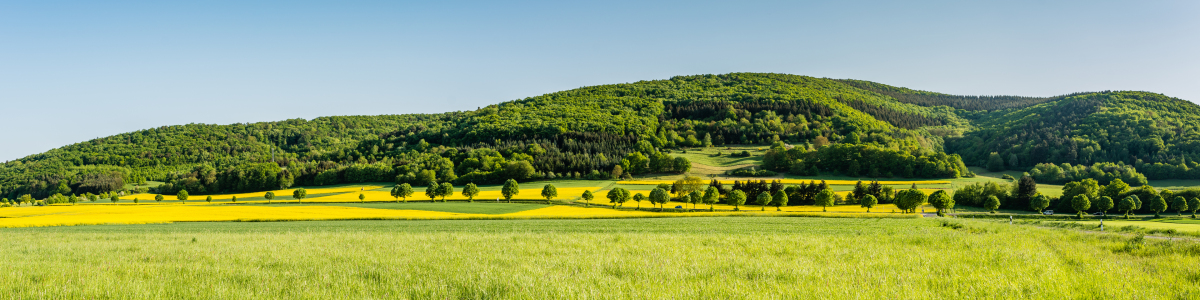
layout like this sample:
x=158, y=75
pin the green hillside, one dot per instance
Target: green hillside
x=617, y=130
x=1155, y=133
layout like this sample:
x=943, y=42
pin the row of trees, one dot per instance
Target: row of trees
x=1079, y=197
x=690, y=190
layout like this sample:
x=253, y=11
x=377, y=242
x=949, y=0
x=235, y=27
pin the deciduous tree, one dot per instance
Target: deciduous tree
x=737, y=198
x=1104, y=204
x=869, y=201
x=549, y=192
x=779, y=200
x=617, y=196
x=1115, y=188
x=695, y=198
x=1157, y=205
x=661, y=197
x=445, y=189
x=1194, y=205
x=639, y=198
x=992, y=204
x=433, y=190
x=825, y=198
x=402, y=191
x=587, y=197
x=763, y=200
x=470, y=191
x=299, y=194
x=1081, y=203
x=1180, y=205
x=511, y=189
x=941, y=201
x=1128, y=204
x=711, y=196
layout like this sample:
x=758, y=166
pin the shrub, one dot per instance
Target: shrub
x=751, y=172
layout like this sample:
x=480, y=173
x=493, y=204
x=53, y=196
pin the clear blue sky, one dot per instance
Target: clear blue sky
x=75, y=70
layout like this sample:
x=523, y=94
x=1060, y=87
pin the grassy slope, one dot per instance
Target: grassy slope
x=638, y=258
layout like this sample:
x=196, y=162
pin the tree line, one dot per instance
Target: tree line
x=1079, y=197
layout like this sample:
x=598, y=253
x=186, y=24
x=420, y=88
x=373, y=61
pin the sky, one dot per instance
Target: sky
x=71, y=71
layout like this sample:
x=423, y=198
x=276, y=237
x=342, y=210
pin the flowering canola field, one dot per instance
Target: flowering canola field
x=419, y=195
x=68, y=215
x=280, y=195
x=196, y=209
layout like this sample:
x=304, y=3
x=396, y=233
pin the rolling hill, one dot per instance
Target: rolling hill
x=609, y=130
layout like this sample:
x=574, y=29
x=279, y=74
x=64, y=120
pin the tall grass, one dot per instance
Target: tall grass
x=709, y=258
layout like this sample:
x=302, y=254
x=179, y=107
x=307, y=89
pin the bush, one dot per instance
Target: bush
x=750, y=172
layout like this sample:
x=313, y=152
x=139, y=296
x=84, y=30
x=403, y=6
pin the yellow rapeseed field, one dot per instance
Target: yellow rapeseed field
x=196, y=209
x=646, y=192
x=351, y=195
x=792, y=181
x=66, y=215
x=279, y=194
x=154, y=214
x=419, y=195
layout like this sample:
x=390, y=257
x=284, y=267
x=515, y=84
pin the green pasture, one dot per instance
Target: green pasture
x=669, y=258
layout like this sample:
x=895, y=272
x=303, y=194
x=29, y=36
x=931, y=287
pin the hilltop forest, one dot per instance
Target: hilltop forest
x=816, y=125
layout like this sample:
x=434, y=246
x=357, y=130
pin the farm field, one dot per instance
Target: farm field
x=707, y=258
x=341, y=202
x=1188, y=225
x=67, y=215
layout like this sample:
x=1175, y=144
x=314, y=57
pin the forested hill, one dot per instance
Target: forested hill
x=608, y=131
x=1154, y=133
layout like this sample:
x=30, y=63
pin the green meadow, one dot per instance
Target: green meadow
x=659, y=258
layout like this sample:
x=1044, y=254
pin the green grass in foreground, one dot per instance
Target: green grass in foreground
x=712, y=258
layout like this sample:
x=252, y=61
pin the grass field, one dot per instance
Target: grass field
x=1183, y=225
x=673, y=258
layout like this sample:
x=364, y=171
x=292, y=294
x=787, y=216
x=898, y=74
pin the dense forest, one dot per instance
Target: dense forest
x=848, y=127
x=1154, y=133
